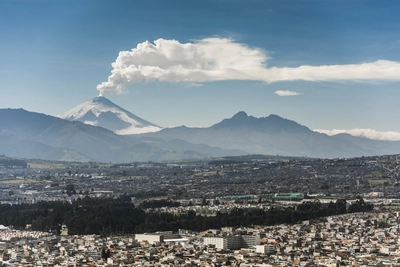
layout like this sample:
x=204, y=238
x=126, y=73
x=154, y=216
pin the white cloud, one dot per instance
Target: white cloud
x=367, y=133
x=217, y=59
x=287, y=93
x=195, y=85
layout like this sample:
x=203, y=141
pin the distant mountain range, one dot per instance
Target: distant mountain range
x=33, y=135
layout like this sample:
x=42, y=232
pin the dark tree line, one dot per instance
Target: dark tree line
x=159, y=203
x=9, y=163
x=120, y=216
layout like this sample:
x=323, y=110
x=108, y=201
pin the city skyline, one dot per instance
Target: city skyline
x=326, y=65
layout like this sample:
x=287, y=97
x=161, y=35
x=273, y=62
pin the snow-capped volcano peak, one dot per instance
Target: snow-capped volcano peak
x=100, y=111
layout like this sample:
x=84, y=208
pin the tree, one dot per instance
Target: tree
x=360, y=205
x=341, y=206
x=105, y=253
x=70, y=189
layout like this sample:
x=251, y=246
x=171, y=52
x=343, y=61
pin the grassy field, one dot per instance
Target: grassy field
x=206, y=173
x=392, y=207
x=377, y=182
x=18, y=181
x=121, y=177
x=374, y=174
x=63, y=165
x=45, y=165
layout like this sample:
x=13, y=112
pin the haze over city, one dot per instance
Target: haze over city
x=332, y=66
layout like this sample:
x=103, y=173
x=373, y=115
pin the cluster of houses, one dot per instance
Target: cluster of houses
x=361, y=239
x=364, y=239
x=185, y=182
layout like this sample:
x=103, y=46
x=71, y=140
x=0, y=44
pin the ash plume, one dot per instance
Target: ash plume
x=218, y=59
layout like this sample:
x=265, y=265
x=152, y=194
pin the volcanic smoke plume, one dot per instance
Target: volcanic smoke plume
x=217, y=59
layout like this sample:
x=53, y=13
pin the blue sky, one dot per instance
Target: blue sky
x=325, y=64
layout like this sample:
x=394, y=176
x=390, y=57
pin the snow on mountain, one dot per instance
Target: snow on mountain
x=100, y=111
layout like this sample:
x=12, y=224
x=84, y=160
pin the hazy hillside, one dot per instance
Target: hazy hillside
x=34, y=135
x=275, y=135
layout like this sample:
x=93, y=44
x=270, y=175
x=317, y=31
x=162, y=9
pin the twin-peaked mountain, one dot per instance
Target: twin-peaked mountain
x=275, y=135
x=34, y=135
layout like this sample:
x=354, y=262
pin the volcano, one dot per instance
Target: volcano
x=100, y=111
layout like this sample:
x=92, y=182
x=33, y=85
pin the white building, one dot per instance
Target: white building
x=266, y=249
x=232, y=242
x=151, y=238
x=3, y=228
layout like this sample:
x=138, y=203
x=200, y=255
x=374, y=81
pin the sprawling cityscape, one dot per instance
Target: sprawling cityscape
x=234, y=187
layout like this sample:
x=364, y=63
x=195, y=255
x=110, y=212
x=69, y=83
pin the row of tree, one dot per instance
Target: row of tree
x=120, y=216
x=10, y=163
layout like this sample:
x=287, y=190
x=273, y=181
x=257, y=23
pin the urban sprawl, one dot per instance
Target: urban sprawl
x=210, y=188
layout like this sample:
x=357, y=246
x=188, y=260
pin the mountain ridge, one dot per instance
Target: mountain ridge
x=30, y=134
x=273, y=135
x=35, y=135
x=260, y=124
